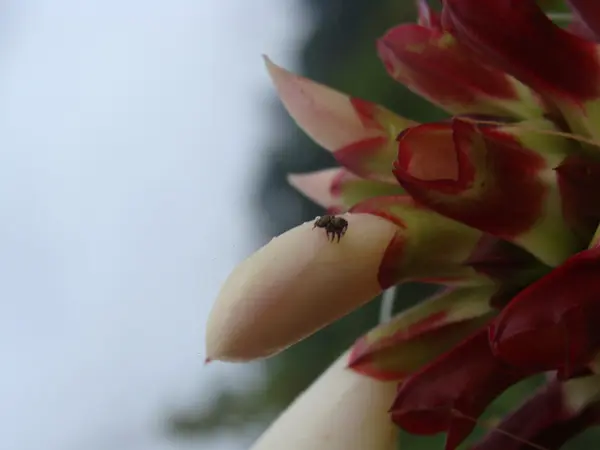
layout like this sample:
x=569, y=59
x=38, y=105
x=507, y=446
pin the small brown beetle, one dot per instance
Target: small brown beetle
x=335, y=226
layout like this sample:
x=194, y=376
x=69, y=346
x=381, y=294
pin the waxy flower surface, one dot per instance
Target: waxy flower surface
x=342, y=409
x=498, y=205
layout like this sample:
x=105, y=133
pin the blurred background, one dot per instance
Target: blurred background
x=144, y=154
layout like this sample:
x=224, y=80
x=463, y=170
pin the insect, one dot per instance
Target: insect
x=335, y=226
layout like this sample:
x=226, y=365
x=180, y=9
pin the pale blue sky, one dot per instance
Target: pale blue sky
x=130, y=132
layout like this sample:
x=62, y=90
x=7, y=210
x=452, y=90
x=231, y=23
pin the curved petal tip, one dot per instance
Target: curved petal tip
x=293, y=286
x=340, y=411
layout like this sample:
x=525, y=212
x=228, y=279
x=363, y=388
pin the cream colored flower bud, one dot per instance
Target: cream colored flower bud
x=293, y=286
x=340, y=411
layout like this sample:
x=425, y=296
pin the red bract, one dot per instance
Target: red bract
x=555, y=322
x=502, y=261
x=511, y=267
x=433, y=64
x=337, y=189
x=366, y=156
x=426, y=245
x=588, y=12
x=579, y=183
x=495, y=179
x=451, y=392
x=438, y=165
x=579, y=28
x=558, y=412
x=517, y=37
x=395, y=349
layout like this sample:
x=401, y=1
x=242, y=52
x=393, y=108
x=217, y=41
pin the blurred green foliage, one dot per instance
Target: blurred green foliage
x=340, y=53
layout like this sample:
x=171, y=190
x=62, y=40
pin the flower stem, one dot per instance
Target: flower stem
x=387, y=305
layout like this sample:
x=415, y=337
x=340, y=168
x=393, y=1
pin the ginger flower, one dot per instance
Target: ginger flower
x=499, y=205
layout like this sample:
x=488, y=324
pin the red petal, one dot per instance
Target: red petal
x=433, y=64
x=397, y=348
x=580, y=29
x=497, y=179
x=476, y=176
x=500, y=260
x=448, y=394
x=510, y=266
x=366, y=112
x=360, y=155
x=588, y=12
x=426, y=246
x=518, y=38
x=544, y=421
x=555, y=322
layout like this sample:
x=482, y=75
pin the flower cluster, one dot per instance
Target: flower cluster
x=499, y=205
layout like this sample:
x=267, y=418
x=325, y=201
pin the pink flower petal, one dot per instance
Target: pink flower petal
x=338, y=189
x=317, y=186
x=359, y=133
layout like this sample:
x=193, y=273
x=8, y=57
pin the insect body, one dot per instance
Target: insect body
x=335, y=226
